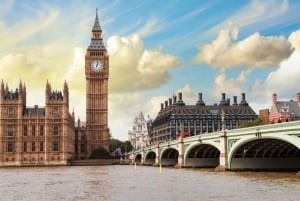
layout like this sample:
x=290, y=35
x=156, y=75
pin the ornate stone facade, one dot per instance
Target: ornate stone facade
x=47, y=135
x=35, y=135
x=139, y=136
x=96, y=73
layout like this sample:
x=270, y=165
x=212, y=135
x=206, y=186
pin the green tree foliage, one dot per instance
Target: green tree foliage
x=100, y=153
x=246, y=123
x=124, y=146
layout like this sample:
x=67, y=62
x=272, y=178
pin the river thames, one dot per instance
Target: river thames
x=127, y=183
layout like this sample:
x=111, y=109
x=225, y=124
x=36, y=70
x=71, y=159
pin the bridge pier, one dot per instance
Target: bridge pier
x=180, y=163
x=223, y=161
x=157, y=156
x=143, y=157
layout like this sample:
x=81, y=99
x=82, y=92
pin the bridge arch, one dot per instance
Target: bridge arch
x=269, y=152
x=202, y=155
x=169, y=157
x=150, y=158
x=138, y=159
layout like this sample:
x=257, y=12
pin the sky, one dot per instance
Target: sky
x=156, y=49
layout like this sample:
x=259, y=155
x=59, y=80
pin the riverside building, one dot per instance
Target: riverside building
x=176, y=117
x=48, y=135
x=139, y=135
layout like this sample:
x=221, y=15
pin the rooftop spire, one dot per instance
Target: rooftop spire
x=96, y=26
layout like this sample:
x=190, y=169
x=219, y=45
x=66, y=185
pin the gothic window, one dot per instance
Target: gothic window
x=55, y=146
x=41, y=146
x=33, y=130
x=82, y=148
x=33, y=146
x=25, y=130
x=56, y=130
x=10, y=130
x=10, y=146
x=25, y=147
x=41, y=130
x=10, y=111
x=55, y=111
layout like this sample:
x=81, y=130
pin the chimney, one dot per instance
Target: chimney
x=274, y=98
x=200, y=96
x=243, y=97
x=234, y=100
x=200, y=101
x=174, y=99
x=298, y=98
x=180, y=101
x=170, y=101
x=161, y=106
x=180, y=96
x=223, y=96
x=223, y=100
x=243, y=101
x=166, y=104
x=228, y=101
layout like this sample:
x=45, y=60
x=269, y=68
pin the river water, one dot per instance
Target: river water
x=127, y=183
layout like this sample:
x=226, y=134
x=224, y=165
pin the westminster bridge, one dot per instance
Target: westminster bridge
x=271, y=147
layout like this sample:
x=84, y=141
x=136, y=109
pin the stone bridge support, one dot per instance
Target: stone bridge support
x=157, y=155
x=180, y=163
x=143, y=157
x=223, y=162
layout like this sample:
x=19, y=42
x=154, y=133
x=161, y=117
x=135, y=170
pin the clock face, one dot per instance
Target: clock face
x=97, y=66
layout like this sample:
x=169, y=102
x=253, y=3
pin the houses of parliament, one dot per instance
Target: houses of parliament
x=49, y=135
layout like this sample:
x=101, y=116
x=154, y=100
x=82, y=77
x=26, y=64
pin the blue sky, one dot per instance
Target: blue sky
x=156, y=48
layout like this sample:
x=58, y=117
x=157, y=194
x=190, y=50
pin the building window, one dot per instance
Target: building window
x=33, y=146
x=41, y=146
x=25, y=146
x=55, y=146
x=10, y=111
x=10, y=130
x=55, y=130
x=55, y=111
x=82, y=148
x=41, y=130
x=25, y=130
x=33, y=130
x=10, y=147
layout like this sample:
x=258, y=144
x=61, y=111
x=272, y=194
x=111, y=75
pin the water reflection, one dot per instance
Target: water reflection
x=125, y=183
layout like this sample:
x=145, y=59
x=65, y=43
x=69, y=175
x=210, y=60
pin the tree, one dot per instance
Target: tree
x=100, y=153
x=124, y=146
x=250, y=123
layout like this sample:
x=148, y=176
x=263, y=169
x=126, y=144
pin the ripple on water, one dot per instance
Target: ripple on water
x=125, y=183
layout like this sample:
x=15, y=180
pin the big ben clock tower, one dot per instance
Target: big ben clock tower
x=96, y=74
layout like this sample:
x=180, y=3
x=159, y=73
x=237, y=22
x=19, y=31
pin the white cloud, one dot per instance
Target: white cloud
x=253, y=51
x=134, y=68
x=231, y=87
x=284, y=81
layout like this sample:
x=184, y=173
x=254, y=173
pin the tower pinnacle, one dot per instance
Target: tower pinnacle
x=96, y=26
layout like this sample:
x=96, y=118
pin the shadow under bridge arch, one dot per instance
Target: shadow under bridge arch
x=138, y=159
x=266, y=154
x=169, y=157
x=150, y=158
x=202, y=155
